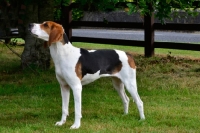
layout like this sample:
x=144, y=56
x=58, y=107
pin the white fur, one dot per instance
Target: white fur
x=65, y=58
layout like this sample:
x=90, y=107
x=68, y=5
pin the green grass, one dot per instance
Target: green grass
x=169, y=87
x=140, y=50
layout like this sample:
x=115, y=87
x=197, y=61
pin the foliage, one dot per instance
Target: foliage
x=89, y=5
x=57, y=8
x=57, y=13
x=77, y=14
x=14, y=42
x=162, y=8
x=98, y=5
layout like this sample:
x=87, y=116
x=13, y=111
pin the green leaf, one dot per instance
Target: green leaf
x=168, y=1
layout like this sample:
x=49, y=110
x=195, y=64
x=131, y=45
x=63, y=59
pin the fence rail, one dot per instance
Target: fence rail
x=149, y=27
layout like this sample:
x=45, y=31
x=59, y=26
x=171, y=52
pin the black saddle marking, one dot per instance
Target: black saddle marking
x=103, y=60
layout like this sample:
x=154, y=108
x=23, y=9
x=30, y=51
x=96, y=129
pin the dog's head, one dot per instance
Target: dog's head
x=49, y=31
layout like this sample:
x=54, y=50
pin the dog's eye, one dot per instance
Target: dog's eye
x=45, y=25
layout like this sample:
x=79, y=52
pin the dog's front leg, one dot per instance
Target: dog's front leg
x=65, y=92
x=77, y=90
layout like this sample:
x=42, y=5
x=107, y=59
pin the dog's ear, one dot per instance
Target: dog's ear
x=55, y=36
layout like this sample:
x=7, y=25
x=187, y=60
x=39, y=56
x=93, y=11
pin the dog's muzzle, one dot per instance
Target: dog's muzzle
x=30, y=27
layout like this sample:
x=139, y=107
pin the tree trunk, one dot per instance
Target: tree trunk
x=35, y=54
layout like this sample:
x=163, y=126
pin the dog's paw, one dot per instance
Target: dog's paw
x=75, y=126
x=60, y=123
x=142, y=119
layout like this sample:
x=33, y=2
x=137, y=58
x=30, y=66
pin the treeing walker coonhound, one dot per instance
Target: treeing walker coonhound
x=75, y=67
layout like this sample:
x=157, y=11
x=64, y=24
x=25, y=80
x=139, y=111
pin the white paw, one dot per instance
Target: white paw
x=75, y=126
x=142, y=119
x=125, y=112
x=60, y=123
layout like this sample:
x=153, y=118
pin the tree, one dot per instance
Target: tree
x=163, y=8
x=35, y=53
x=19, y=13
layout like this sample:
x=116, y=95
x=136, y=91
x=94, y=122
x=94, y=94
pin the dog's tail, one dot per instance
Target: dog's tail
x=131, y=60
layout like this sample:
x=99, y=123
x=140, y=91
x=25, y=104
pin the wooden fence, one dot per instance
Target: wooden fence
x=149, y=27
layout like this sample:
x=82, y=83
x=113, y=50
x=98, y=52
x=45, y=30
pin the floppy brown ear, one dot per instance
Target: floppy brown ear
x=55, y=36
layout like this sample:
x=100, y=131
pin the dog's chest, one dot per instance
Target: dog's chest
x=65, y=59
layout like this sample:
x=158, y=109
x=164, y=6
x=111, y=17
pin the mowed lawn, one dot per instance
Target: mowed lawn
x=169, y=86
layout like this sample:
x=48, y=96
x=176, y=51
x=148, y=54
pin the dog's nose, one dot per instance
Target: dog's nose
x=30, y=26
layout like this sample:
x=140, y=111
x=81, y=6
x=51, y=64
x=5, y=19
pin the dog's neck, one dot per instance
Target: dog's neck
x=65, y=39
x=59, y=51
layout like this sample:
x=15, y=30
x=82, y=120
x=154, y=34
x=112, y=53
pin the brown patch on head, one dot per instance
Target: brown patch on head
x=117, y=68
x=131, y=62
x=54, y=30
x=78, y=70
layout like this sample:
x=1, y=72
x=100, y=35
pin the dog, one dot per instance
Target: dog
x=75, y=67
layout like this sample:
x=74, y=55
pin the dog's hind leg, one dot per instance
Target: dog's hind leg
x=131, y=85
x=65, y=92
x=119, y=86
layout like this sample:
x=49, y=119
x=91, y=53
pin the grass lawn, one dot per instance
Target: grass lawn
x=140, y=50
x=169, y=87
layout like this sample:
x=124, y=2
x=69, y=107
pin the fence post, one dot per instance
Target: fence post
x=149, y=33
x=66, y=19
